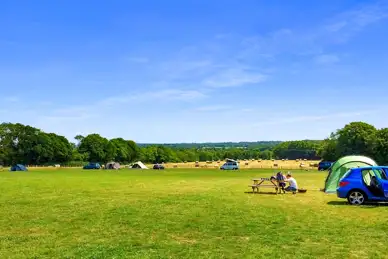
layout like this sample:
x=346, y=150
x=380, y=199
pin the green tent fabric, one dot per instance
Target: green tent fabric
x=341, y=166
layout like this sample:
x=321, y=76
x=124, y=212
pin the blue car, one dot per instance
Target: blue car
x=324, y=165
x=362, y=184
x=92, y=166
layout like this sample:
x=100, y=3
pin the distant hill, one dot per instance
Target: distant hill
x=262, y=145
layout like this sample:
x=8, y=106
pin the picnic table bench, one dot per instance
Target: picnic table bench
x=268, y=183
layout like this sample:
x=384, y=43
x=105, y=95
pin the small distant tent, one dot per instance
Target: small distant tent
x=18, y=167
x=112, y=165
x=341, y=166
x=139, y=165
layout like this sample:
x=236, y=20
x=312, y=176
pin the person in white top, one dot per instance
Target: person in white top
x=293, y=184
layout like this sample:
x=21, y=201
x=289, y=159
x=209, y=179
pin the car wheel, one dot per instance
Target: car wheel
x=356, y=197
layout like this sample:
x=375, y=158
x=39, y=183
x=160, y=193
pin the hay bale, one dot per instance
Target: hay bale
x=246, y=163
x=275, y=165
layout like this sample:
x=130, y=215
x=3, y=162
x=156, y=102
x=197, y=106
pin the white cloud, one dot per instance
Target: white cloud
x=138, y=59
x=326, y=59
x=358, y=18
x=185, y=68
x=308, y=118
x=247, y=110
x=212, y=108
x=233, y=78
x=340, y=28
x=11, y=99
x=334, y=27
x=157, y=95
x=312, y=41
x=177, y=94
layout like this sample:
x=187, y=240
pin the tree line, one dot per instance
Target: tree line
x=356, y=138
x=27, y=145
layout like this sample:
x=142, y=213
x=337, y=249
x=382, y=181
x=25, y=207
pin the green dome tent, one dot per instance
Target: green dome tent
x=341, y=166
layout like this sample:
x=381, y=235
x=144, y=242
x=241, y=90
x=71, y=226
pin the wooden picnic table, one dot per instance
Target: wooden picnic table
x=264, y=183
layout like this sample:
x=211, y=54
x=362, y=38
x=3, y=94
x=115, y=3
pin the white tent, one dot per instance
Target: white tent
x=139, y=165
x=112, y=165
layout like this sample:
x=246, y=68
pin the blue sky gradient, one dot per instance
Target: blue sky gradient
x=194, y=71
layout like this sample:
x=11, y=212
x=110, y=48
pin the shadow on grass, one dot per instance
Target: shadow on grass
x=366, y=205
x=272, y=193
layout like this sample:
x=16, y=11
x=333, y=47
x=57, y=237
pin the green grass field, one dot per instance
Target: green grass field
x=71, y=213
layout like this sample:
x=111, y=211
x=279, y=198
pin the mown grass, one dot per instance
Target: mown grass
x=178, y=213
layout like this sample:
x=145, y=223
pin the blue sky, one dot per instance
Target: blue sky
x=194, y=71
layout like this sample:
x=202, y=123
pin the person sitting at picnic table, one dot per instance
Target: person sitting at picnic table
x=293, y=185
x=280, y=178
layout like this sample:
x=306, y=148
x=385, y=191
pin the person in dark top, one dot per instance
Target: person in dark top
x=281, y=182
x=374, y=184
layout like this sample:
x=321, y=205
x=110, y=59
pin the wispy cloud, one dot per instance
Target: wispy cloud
x=326, y=59
x=11, y=99
x=342, y=27
x=312, y=41
x=176, y=94
x=157, y=95
x=309, y=118
x=138, y=59
x=234, y=78
x=356, y=19
x=213, y=108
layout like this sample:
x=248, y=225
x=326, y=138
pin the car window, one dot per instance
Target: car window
x=385, y=172
x=380, y=174
x=367, y=175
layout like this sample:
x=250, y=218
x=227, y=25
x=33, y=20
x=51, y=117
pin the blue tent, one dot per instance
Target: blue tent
x=18, y=167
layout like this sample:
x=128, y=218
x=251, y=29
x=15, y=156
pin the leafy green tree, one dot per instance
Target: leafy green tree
x=94, y=147
x=381, y=147
x=328, y=149
x=297, y=149
x=356, y=138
